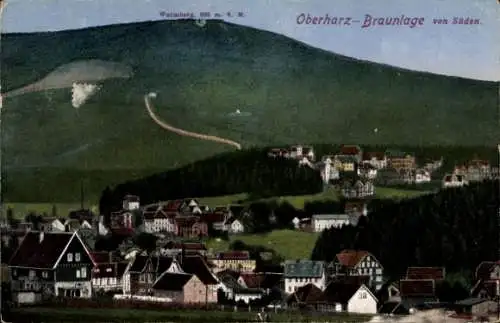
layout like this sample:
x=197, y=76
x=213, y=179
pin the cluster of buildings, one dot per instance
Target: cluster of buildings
x=60, y=264
x=355, y=171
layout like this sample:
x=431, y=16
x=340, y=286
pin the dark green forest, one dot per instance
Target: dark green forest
x=248, y=171
x=456, y=228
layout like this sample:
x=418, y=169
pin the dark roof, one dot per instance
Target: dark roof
x=195, y=265
x=132, y=198
x=308, y=294
x=470, y=301
x=109, y=270
x=139, y=264
x=304, y=268
x=484, y=269
x=101, y=257
x=161, y=264
x=340, y=291
x=417, y=287
x=489, y=286
x=214, y=217
x=185, y=245
x=81, y=214
x=228, y=272
x=172, y=281
x=350, y=150
x=41, y=254
x=186, y=221
x=437, y=273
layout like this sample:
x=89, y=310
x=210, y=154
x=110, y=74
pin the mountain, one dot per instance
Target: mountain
x=249, y=86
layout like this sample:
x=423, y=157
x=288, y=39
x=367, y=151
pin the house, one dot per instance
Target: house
x=298, y=152
x=346, y=164
x=360, y=188
x=353, y=151
x=329, y=170
x=108, y=273
x=131, y=202
x=475, y=307
x=143, y=270
x=422, y=176
x=263, y=281
x=358, y=208
x=53, y=225
x=357, y=263
x=203, y=289
x=308, y=295
x=239, y=261
x=122, y=220
x=234, y=226
x=367, y=171
x=216, y=220
x=416, y=292
x=174, y=249
x=436, y=273
x=159, y=221
x=233, y=290
x=75, y=225
x=452, y=180
x=50, y=264
x=322, y=222
x=376, y=159
x=350, y=297
x=299, y=273
x=191, y=227
x=487, y=278
x=400, y=160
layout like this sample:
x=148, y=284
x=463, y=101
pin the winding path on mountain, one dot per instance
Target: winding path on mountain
x=182, y=132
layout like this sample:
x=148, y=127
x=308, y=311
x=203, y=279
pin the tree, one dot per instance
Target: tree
x=146, y=241
x=106, y=204
x=53, y=212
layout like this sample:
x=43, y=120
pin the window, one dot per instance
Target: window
x=78, y=273
x=32, y=274
x=77, y=256
x=70, y=257
x=45, y=274
x=108, y=270
x=84, y=272
x=362, y=295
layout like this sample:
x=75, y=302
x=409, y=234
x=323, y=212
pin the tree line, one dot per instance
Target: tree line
x=456, y=228
x=248, y=171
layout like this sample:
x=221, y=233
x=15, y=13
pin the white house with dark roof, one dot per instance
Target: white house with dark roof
x=322, y=222
x=299, y=273
x=50, y=264
x=131, y=202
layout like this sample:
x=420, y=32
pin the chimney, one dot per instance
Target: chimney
x=41, y=236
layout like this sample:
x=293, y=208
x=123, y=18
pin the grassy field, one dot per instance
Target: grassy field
x=21, y=209
x=289, y=244
x=202, y=75
x=173, y=315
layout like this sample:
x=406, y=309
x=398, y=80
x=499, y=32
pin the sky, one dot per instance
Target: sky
x=470, y=51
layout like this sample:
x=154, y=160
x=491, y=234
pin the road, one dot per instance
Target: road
x=182, y=132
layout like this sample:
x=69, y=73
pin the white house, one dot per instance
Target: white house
x=376, y=159
x=358, y=189
x=452, y=180
x=329, y=171
x=234, y=226
x=158, y=221
x=422, y=176
x=321, y=222
x=368, y=171
x=231, y=287
x=299, y=273
x=362, y=301
x=57, y=226
x=131, y=202
x=357, y=263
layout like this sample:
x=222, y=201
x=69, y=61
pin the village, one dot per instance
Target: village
x=58, y=257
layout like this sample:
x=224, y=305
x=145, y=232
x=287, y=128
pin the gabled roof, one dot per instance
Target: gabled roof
x=332, y=217
x=185, y=245
x=484, y=269
x=261, y=280
x=417, y=287
x=35, y=252
x=139, y=264
x=350, y=150
x=351, y=258
x=437, y=273
x=340, y=291
x=195, y=265
x=172, y=281
x=308, y=294
x=304, y=268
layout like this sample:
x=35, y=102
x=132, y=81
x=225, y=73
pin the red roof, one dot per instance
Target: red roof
x=308, y=294
x=186, y=221
x=41, y=254
x=123, y=231
x=436, y=273
x=233, y=255
x=173, y=205
x=350, y=150
x=417, y=287
x=351, y=258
